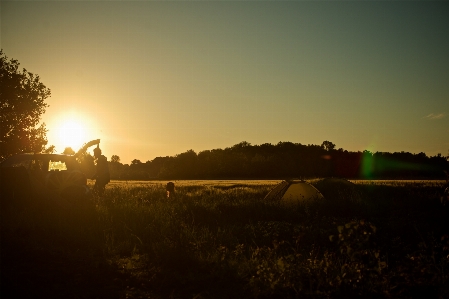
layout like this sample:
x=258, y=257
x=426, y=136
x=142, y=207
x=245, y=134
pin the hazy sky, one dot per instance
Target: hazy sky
x=159, y=78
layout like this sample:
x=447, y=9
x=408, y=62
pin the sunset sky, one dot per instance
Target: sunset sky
x=157, y=78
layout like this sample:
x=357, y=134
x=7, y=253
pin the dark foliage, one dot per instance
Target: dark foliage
x=285, y=160
x=22, y=98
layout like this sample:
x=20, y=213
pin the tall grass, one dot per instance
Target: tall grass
x=225, y=241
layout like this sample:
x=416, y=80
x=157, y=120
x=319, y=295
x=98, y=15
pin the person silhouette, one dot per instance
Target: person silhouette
x=101, y=176
x=170, y=189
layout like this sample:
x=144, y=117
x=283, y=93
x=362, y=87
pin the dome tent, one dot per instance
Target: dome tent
x=337, y=189
x=294, y=192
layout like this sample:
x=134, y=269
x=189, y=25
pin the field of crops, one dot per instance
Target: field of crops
x=221, y=239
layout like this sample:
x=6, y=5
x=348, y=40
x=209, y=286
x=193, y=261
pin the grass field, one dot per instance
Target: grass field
x=220, y=239
x=117, y=183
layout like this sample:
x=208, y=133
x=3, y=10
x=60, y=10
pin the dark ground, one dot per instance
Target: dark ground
x=40, y=273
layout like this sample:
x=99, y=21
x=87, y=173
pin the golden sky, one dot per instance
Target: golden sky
x=157, y=78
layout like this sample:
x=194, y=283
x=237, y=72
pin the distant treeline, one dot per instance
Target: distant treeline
x=281, y=161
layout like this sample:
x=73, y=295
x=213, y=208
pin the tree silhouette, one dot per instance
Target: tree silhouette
x=68, y=151
x=22, y=104
x=115, y=159
x=282, y=161
x=328, y=146
x=115, y=167
x=136, y=162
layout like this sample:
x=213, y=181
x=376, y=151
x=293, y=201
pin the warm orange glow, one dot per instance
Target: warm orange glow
x=71, y=133
x=71, y=129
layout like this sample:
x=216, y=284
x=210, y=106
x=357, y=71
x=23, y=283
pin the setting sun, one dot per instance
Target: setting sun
x=72, y=134
x=71, y=129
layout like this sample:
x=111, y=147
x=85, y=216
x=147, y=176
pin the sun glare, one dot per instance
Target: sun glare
x=72, y=134
x=71, y=129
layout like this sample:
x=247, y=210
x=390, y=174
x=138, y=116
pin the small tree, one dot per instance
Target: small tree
x=328, y=146
x=115, y=159
x=115, y=167
x=68, y=151
x=136, y=162
x=22, y=103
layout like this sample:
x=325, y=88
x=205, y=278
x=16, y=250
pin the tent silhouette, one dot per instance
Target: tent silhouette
x=337, y=189
x=294, y=192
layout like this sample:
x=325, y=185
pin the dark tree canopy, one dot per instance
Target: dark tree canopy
x=68, y=151
x=328, y=146
x=22, y=104
x=282, y=161
x=115, y=159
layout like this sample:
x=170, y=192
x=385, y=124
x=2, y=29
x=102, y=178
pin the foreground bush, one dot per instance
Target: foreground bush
x=227, y=242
